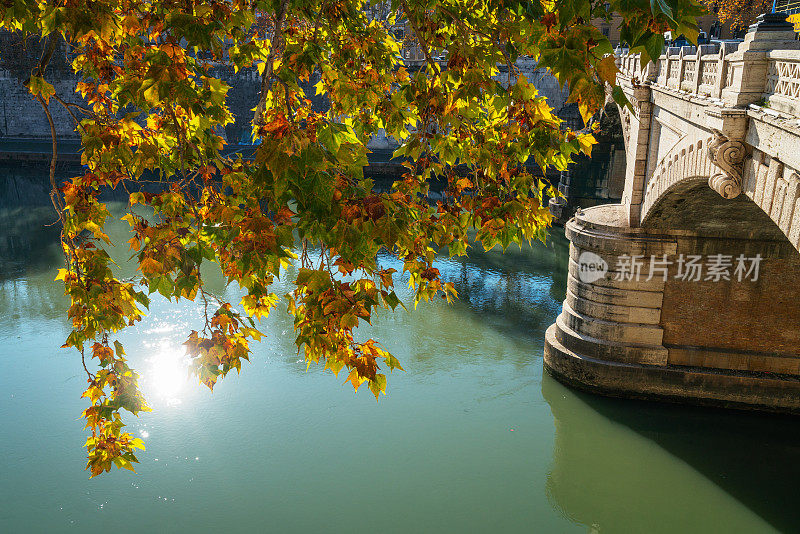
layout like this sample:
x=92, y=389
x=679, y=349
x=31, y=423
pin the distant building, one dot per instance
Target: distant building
x=709, y=24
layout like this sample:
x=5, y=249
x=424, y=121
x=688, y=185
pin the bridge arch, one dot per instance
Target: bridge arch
x=686, y=161
x=691, y=207
x=769, y=203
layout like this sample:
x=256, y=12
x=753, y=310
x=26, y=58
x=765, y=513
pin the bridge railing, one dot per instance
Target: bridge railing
x=696, y=70
x=782, y=91
x=706, y=71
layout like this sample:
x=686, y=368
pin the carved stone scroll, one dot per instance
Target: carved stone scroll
x=728, y=157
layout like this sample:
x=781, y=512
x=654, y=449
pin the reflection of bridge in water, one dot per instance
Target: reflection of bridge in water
x=713, y=155
x=629, y=466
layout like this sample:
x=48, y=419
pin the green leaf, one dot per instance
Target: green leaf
x=392, y=300
x=619, y=97
x=660, y=6
x=38, y=86
x=378, y=385
x=653, y=47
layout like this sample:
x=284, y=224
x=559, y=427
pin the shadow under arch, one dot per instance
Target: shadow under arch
x=747, y=323
x=692, y=206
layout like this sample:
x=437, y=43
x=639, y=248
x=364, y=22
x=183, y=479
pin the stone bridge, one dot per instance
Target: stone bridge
x=689, y=289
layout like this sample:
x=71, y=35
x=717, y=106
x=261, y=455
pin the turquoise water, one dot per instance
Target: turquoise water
x=471, y=438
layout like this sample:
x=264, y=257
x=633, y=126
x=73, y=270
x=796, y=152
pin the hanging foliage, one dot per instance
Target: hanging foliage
x=154, y=108
x=738, y=13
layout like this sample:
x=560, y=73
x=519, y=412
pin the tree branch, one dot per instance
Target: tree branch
x=54, y=188
x=47, y=53
x=67, y=107
x=276, y=47
x=422, y=44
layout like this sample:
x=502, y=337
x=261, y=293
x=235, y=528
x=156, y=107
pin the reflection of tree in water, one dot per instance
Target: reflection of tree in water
x=29, y=232
x=28, y=184
x=29, y=255
x=26, y=300
x=505, y=303
x=30, y=251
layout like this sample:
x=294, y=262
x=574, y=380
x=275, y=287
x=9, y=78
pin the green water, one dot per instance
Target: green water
x=471, y=438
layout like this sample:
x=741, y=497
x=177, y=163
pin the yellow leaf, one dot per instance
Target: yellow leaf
x=583, y=108
x=355, y=380
x=607, y=70
x=586, y=142
x=464, y=183
x=41, y=87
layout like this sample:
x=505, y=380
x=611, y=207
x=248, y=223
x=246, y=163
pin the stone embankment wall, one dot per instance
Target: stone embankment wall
x=22, y=116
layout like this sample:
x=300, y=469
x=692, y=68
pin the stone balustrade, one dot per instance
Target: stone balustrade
x=696, y=70
x=705, y=71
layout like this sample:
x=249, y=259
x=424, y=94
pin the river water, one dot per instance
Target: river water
x=472, y=437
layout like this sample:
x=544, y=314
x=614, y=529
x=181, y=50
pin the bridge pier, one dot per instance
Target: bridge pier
x=647, y=333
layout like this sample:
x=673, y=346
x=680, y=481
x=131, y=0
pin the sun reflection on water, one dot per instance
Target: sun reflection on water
x=166, y=375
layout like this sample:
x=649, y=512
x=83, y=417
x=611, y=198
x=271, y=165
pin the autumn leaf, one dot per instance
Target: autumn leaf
x=607, y=69
x=153, y=107
x=150, y=266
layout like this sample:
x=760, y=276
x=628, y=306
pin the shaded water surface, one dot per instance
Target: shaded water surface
x=471, y=438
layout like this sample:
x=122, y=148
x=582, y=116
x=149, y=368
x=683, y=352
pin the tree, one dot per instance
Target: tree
x=739, y=13
x=155, y=109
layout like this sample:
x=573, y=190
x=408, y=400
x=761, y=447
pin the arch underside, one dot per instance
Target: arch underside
x=693, y=206
x=687, y=160
x=678, y=196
